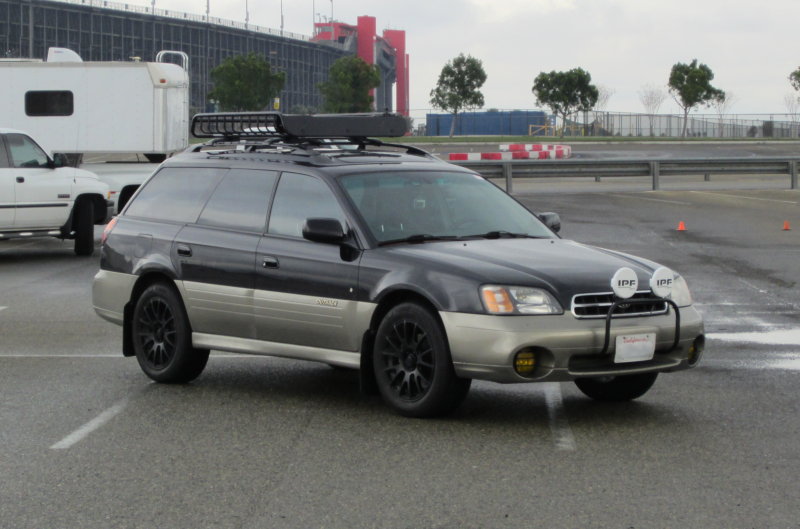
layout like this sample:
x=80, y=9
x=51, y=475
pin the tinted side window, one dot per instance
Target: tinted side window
x=299, y=197
x=240, y=201
x=174, y=194
x=49, y=103
x=24, y=152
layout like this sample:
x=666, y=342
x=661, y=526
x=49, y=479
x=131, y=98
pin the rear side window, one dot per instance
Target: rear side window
x=174, y=194
x=49, y=103
x=3, y=155
x=300, y=197
x=240, y=201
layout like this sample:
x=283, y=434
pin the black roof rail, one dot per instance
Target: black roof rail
x=236, y=125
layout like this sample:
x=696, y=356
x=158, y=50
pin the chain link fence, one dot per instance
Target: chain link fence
x=606, y=124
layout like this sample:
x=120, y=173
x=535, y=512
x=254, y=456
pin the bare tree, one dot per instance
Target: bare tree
x=652, y=97
x=723, y=104
x=790, y=101
x=604, y=94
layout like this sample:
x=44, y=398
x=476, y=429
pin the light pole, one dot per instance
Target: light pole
x=246, y=14
x=281, y=18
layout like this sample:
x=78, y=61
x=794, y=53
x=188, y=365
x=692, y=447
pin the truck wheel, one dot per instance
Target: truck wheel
x=84, y=227
x=155, y=158
x=162, y=337
x=412, y=364
x=616, y=389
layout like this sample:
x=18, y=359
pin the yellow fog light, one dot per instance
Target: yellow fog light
x=525, y=363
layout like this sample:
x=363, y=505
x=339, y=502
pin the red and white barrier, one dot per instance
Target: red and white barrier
x=515, y=155
x=559, y=151
x=517, y=151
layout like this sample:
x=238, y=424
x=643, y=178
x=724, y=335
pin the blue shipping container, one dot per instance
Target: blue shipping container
x=499, y=123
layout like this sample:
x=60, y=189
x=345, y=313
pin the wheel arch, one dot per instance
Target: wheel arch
x=97, y=201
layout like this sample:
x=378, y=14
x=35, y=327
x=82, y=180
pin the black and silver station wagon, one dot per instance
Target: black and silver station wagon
x=301, y=237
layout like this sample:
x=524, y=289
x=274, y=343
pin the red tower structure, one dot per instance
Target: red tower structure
x=387, y=51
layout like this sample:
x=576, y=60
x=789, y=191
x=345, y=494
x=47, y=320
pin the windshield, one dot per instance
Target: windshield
x=409, y=205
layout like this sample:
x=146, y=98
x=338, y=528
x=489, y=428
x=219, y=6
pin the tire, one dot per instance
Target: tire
x=412, y=364
x=83, y=222
x=616, y=389
x=162, y=337
x=155, y=158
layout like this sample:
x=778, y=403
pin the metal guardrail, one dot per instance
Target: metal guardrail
x=511, y=169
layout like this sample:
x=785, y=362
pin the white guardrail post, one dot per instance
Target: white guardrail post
x=793, y=173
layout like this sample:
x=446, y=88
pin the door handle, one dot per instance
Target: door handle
x=20, y=179
x=184, y=250
x=269, y=262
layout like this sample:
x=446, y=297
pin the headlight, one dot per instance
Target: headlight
x=518, y=300
x=680, y=292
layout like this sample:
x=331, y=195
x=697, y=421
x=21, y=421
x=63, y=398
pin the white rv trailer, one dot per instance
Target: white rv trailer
x=72, y=106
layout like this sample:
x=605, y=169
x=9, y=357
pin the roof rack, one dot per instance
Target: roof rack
x=238, y=125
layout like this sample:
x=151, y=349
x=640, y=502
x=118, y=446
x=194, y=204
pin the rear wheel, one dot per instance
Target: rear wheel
x=84, y=227
x=413, y=368
x=162, y=337
x=616, y=389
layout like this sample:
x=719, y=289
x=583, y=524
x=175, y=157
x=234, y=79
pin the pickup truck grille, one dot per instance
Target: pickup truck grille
x=586, y=306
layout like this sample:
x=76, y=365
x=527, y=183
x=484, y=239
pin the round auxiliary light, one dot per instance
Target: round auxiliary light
x=661, y=282
x=624, y=283
x=525, y=363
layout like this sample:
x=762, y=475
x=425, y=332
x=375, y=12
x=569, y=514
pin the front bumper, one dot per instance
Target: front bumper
x=484, y=346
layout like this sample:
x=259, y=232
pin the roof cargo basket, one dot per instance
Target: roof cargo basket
x=239, y=125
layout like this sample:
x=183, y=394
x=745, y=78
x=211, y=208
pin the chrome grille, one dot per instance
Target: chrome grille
x=597, y=305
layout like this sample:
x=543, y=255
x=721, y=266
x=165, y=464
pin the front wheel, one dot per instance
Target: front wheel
x=413, y=368
x=84, y=227
x=616, y=389
x=162, y=337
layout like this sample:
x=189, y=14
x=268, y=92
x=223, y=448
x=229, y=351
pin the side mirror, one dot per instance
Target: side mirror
x=551, y=220
x=60, y=160
x=328, y=231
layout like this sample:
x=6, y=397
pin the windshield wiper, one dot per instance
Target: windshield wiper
x=419, y=238
x=500, y=234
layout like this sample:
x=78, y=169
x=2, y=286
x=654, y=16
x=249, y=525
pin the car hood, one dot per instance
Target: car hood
x=564, y=267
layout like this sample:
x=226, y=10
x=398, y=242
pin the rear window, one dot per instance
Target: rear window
x=240, y=201
x=174, y=194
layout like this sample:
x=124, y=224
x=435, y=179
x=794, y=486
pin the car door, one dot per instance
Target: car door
x=305, y=291
x=216, y=255
x=42, y=194
x=7, y=201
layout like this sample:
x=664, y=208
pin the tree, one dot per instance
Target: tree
x=722, y=105
x=794, y=79
x=690, y=85
x=350, y=80
x=790, y=101
x=652, y=97
x=245, y=82
x=604, y=93
x=565, y=92
x=459, y=87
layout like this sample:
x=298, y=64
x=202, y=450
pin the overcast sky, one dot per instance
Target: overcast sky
x=751, y=46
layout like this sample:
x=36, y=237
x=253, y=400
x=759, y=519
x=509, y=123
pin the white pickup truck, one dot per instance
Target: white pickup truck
x=40, y=197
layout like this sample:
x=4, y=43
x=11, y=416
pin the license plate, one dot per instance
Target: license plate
x=635, y=348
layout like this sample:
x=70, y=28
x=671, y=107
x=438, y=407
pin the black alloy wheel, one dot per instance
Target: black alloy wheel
x=162, y=337
x=412, y=364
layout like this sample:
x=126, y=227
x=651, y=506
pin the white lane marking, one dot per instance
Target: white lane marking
x=559, y=426
x=772, y=337
x=652, y=199
x=745, y=198
x=789, y=362
x=2, y=308
x=90, y=426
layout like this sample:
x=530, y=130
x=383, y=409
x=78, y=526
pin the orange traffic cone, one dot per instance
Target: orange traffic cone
x=681, y=226
x=786, y=226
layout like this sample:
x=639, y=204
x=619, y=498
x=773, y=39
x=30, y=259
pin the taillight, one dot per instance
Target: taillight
x=107, y=230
